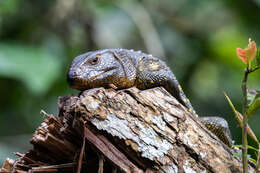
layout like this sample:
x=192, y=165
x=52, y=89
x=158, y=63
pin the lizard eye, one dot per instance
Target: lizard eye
x=95, y=60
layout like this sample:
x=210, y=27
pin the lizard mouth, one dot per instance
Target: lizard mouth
x=82, y=83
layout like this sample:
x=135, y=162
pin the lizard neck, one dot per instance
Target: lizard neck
x=127, y=71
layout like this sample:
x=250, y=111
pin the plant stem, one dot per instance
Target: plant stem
x=258, y=160
x=244, y=129
x=244, y=123
x=254, y=69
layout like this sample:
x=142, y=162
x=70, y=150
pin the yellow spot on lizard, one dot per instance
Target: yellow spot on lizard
x=154, y=66
x=140, y=68
x=180, y=89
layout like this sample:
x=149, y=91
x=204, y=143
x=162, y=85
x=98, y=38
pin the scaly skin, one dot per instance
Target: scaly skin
x=127, y=68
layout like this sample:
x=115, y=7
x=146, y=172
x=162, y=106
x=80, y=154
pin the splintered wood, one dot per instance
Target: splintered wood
x=103, y=130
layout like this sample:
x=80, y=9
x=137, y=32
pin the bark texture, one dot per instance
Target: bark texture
x=103, y=130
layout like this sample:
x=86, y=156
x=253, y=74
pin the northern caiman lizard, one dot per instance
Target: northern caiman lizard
x=127, y=68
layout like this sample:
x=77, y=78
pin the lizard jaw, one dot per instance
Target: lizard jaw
x=81, y=83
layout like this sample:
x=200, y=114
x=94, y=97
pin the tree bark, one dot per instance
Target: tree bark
x=103, y=130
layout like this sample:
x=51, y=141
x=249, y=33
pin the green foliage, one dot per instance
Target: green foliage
x=8, y=6
x=223, y=44
x=254, y=106
x=239, y=153
x=239, y=119
x=258, y=57
x=36, y=67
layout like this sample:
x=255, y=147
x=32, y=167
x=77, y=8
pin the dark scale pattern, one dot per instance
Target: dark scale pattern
x=219, y=127
x=153, y=72
x=124, y=68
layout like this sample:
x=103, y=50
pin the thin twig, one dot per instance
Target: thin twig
x=55, y=167
x=258, y=161
x=254, y=69
x=101, y=163
x=244, y=129
x=82, y=151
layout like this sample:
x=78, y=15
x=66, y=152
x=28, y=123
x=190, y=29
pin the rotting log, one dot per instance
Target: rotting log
x=103, y=130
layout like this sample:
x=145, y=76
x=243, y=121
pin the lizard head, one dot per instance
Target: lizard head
x=93, y=69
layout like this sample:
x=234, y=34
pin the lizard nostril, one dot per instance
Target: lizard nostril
x=71, y=77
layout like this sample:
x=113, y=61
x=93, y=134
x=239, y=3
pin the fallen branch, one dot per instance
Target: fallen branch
x=124, y=131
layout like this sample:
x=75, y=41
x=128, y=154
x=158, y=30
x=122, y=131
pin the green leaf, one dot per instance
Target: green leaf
x=237, y=146
x=239, y=118
x=252, y=148
x=251, y=95
x=254, y=106
x=252, y=160
x=36, y=67
x=239, y=154
x=258, y=57
x=249, y=147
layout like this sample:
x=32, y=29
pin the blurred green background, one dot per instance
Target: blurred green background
x=197, y=38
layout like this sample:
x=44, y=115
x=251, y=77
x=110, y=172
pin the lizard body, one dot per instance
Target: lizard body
x=127, y=68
